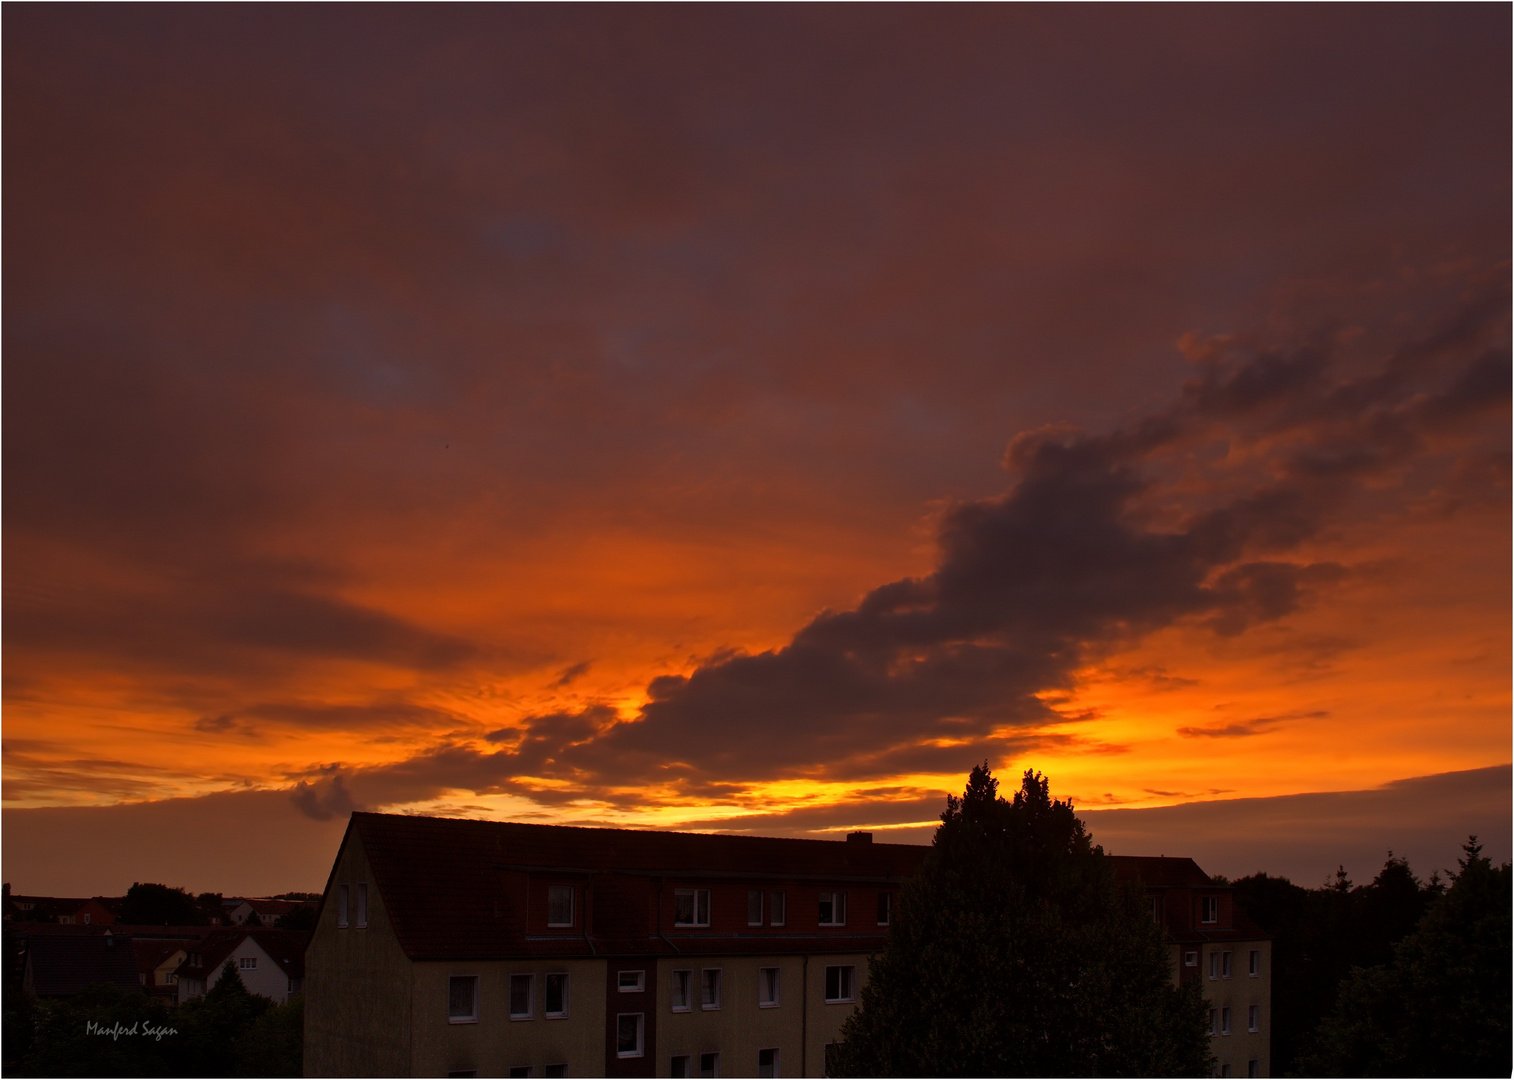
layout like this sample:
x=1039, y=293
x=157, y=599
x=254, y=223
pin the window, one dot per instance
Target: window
x=557, y=995
x=833, y=909
x=1209, y=909
x=247, y=963
x=1225, y=1069
x=87, y=917
x=1214, y=964
x=682, y=1001
x=767, y=1062
x=628, y=1032
x=885, y=902
x=558, y=1069
x=1253, y=1018
x=362, y=904
x=754, y=907
x=777, y=906
x=767, y=987
x=341, y=906
x=559, y=905
x=1214, y=1021
x=679, y=1065
x=1225, y=1020
x=1253, y=1067
x=631, y=982
x=462, y=999
x=1191, y=958
x=691, y=907
x=838, y=983
x=709, y=988
x=1255, y=967
x=520, y=1070
x=520, y=997
x=709, y=1064
x=1225, y=964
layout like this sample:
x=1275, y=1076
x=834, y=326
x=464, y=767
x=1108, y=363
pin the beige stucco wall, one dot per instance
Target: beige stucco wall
x=1238, y=992
x=357, y=986
x=495, y=1043
x=802, y=1022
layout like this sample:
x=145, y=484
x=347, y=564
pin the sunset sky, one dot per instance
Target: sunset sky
x=746, y=417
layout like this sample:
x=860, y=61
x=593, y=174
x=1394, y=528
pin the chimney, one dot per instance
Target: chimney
x=859, y=837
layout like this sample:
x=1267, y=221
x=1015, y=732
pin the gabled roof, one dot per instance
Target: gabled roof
x=443, y=879
x=65, y=964
x=1161, y=871
x=286, y=948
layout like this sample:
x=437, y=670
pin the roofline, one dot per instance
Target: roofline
x=638, y=832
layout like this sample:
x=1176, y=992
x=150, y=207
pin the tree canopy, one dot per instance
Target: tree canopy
x=1016, y=953
x=150, y=904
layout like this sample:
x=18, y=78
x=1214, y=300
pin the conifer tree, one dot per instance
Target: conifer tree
x=1016, y=953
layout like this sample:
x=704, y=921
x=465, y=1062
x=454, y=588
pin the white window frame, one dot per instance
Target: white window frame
x=1225, y=1020
x=519, y=1070
x=1209, y=909
x=637, y=984
x=848, y=991
x=778, y=907
x=715, y=1071
x=687, y=1064
x=247, y=963
x=886, y=906
x=1214, y=963
x=705, y=982
x=1227, y=965
x=1254, y=964
x=688, y=989
x=764, y=1001
x=837, y=900
x=1214, y=1022
x=754, y=906
x=777, y=1067
x=361, y=922
x=641, y=1035
x=1253, y=1018
x=572, y=905
x=555, y=1068
x=700, y=902
x=343, y=893
x=561, y=1014
x=1191, y=958
x=530, y=977
x=472, y=1018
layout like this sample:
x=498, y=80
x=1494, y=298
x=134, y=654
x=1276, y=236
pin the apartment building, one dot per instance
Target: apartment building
x=448, y=947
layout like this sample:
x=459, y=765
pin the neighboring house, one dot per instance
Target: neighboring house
x=270, y=962
x=462, y=948
x=58, y=965
x=265, y=911
x=1214, y=942
x=93, y=912
x=158, y=963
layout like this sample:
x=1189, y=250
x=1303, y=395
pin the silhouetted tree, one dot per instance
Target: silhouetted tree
x=1441, y=1006
x=300, y=918
x=1016, y=953
x=150, y=904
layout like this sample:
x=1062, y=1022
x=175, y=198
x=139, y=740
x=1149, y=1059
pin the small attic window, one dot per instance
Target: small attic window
x=559, y=905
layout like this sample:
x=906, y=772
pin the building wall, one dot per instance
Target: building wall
x=358, y=986
x=1241, y=990
x=495, y=1043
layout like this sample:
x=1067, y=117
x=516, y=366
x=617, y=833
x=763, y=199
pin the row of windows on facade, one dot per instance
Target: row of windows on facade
x=630, y=1032
x=1219, y=1019
x=462, y=992
x=1253, y=1068
x=679, y=1065
x=1221, y=965
x=691, y=907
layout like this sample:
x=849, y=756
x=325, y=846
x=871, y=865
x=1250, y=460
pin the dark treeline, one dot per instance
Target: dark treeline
x=1398, y=977
x=110, y=1031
